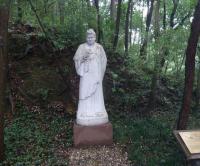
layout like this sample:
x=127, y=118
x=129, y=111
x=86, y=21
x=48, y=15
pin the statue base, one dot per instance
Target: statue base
x=92, y=135
x=91, y=121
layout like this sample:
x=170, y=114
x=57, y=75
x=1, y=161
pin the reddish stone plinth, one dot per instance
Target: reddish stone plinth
x=92, y=135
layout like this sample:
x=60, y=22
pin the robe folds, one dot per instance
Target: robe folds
x=91, y=108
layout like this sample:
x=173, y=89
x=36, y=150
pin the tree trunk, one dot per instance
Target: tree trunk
x=155, y=77
x=175, y=2
x=127, y=26
x=197, y=98
x=143, y=50
x=45, y=3
x=131, y=23
x=61, y=4
x=148, y=4
x=3, y=72
x=164, y=14
x=39, y=21
x=96, y=3
x=116, y=33
x=113, y=10
x=189, y=69
x=149, y=16
x=165, y=49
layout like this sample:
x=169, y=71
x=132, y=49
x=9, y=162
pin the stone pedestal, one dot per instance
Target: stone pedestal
x=92, y=135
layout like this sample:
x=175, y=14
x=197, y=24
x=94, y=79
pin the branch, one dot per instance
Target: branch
x=39, y=21
x=182, y=21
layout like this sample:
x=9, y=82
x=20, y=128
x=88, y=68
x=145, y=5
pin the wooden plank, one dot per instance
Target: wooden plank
x=186, y=150
x=191, y=140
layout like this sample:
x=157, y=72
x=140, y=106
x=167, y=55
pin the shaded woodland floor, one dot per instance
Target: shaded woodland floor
x=45, y=138
x=44, y=97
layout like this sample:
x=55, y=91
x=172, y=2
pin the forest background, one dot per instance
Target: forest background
x=151, y=85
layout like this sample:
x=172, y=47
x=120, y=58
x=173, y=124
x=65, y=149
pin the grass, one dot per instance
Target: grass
x=149, y=141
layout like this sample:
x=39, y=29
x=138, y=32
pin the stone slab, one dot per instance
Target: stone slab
x=92, y=135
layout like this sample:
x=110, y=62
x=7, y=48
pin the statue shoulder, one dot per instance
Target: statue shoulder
x=99, y=46
x=79, y=51
x=81, y=45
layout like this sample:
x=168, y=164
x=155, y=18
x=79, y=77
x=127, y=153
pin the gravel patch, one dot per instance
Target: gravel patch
x=98, y=156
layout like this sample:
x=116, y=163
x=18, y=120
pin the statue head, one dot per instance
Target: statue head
x=91, y=37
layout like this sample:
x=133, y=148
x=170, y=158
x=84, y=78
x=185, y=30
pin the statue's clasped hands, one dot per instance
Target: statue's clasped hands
x=85, y=58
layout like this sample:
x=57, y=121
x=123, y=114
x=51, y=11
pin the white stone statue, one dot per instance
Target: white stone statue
x=90, y=62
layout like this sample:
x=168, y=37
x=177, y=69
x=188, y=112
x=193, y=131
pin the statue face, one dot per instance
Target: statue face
x=90, y=39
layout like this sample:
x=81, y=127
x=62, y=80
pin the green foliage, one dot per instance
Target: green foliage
x=149, y=140
x=43, y=93
x=34, y=138
x=3, y=2
x=137, y=19
x=76, y=20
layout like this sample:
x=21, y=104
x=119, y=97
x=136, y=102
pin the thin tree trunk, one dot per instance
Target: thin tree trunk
x=197, y=98
x=149, y=16
x=135, y=36
x=3, y=72
x=143, y=50
x=131, y=24
x=113, y=10
x=39, y=21
x=127, y=27
x=96, y=3
x=8, y=5
x=61, y=4
x=165, y=50
x=45, y=6
x=142, y=4
x=155, y=77
x=53, y=11
x=189, y=69
x=166, y=67
x=164, y=14
x=180, y=66
x=116, y=33
x=175, y=2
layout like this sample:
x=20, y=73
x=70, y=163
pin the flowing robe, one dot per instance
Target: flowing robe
x=91, y=108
